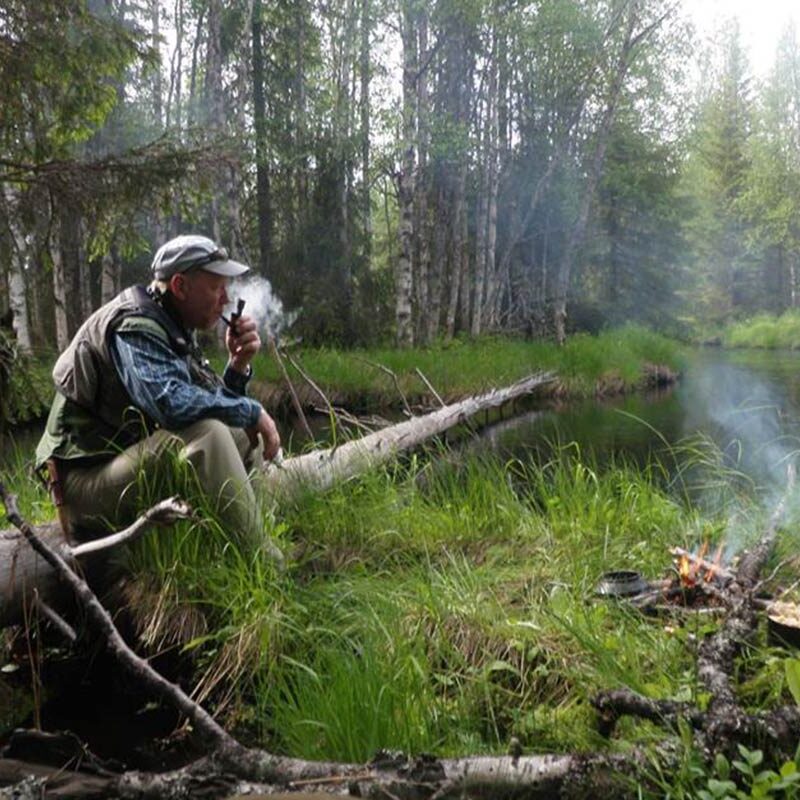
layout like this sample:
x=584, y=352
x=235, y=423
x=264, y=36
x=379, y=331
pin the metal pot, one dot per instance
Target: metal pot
x=622, y=583
x=783, y=624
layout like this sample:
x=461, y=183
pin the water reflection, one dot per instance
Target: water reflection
x=748, y=403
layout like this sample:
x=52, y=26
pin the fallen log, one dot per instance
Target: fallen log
x=321, y=469
x=26, y=577
x=22, y=570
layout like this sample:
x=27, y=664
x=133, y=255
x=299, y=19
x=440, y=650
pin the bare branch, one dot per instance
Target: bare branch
x=166, y=512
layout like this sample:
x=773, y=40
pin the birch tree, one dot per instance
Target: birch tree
x=404, y=328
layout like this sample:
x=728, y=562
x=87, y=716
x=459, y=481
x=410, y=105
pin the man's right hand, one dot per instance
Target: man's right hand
x=269, y=435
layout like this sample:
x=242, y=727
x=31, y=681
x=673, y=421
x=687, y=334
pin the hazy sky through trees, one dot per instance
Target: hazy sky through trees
x=760, y=21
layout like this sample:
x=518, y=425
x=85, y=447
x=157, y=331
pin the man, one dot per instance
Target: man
x=133, y=387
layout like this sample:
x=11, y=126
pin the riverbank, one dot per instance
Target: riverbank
x=764, y=331
x=620, y=361
x=614, y=362
x=446, y=604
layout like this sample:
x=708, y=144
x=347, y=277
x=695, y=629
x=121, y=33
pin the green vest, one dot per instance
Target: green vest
x=92, y=416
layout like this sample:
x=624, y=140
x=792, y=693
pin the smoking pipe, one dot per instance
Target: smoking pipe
x=234, y=318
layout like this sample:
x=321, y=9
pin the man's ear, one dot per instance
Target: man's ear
x=177, y=285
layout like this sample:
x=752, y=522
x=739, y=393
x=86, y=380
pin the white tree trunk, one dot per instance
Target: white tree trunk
x=17, y=295
x=404, y=333
x=59, y=288
x=493, y=295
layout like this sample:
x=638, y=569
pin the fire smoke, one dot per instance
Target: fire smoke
x=749, y=425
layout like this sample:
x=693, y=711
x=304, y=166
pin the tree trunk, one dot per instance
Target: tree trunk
x=20, y=256
x=213, y=97
x=173, y=113
x=464, y=282
x=423, y=226
x=432, y=313
x=365, y=77
x=459, y=246
x=494, y=279
x=65, y=279
x=481, y=219
x=111, y=277
x=263, y=192
x=404, y=333
x=84, y=274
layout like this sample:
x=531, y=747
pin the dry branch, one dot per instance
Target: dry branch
x=232, y=769
x=24, y=571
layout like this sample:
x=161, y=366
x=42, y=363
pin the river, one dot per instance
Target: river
x=748, y=402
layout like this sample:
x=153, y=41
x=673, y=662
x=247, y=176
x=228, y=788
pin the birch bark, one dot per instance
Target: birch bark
x=404, y=333
x=17, y=294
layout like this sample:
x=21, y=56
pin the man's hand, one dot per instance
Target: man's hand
x=243, y=342
x=269, y=435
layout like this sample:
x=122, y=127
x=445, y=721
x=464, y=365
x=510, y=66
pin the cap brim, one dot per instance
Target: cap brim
x=227, y=268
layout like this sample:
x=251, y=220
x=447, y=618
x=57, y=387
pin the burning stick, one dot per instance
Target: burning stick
x=234, y=318
x=692, y=564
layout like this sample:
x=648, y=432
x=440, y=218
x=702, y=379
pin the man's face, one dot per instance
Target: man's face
x=200, y=297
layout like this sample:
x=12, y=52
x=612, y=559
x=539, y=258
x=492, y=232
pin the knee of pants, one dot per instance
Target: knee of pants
x=211, y=448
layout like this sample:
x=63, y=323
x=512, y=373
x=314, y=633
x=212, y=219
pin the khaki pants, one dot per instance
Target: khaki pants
x=107, y=496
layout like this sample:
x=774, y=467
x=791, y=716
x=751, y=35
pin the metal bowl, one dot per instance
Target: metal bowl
x=622, y=583
x=783, y=624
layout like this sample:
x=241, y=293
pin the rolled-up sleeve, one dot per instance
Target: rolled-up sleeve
x=161, y=386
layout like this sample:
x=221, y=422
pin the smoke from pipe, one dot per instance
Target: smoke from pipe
x=261, y=304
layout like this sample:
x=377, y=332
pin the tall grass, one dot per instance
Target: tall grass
x=465, y=366
x=765, y=331
x=16, y=473
x=440, y=606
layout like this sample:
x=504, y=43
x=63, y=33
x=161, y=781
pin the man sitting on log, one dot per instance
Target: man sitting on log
x=133, y=389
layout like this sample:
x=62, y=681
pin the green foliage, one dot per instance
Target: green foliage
x=463, y=366
x=792, y=670
x=765, y=331
x=58, y=74
x=438, y=606
x=26, y=388
x=745, y=778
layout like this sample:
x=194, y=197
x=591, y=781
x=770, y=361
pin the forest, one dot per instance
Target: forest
x=400, y=171
x=445, y=197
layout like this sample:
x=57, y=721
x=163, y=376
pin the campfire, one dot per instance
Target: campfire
x=693, y=570
x=696, y=581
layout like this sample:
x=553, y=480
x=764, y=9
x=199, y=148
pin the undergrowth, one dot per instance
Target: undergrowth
x=447, y=604
x=765, y=331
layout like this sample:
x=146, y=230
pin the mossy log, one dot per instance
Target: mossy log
x=22, y=572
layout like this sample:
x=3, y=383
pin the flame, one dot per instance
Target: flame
x=686, y=571
x=693, y=567
x=711, y=572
